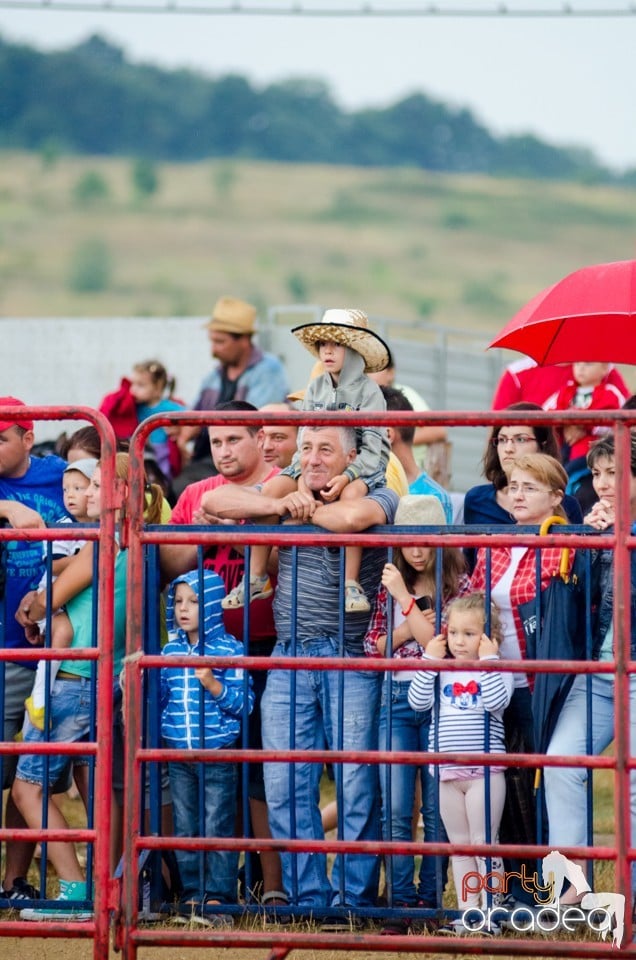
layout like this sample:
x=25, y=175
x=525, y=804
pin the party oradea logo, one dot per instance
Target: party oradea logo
x=603, y=913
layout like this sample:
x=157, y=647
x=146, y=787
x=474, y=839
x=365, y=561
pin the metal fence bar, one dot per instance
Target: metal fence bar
x=621, y=852
x=102, y=656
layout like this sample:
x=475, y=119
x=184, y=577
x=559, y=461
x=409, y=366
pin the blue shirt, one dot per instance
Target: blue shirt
x=40, y=489
x=166, y=405
x=427, y=486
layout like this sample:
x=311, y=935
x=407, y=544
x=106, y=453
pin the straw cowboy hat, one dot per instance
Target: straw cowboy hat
x=231, y=315
x=351, y=329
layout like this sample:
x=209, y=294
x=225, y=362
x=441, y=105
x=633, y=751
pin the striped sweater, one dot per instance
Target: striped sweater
x=459, y=716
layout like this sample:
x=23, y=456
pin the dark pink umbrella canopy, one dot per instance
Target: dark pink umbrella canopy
x=589, y=315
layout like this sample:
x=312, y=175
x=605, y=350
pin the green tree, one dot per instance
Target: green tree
x=91, y=266
x=145, y=178
x=224, y=175
x=297, y=287
x=50, y=153
x=90, y=188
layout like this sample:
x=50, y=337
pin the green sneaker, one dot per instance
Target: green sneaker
x=70, y=891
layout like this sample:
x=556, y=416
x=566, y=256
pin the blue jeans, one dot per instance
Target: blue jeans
x=293, y=791
x=566, y=787
x=204, y=805
x=409, y=732
x=70, y=710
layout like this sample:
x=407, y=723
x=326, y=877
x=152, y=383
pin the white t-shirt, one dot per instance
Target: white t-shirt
x=509, y=648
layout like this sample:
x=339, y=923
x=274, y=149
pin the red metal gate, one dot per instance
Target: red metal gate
x=129, y=933
x=280, y=943
x=99, y=836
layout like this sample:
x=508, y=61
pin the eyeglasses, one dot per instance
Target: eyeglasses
x=527, y=489
x=519, y=441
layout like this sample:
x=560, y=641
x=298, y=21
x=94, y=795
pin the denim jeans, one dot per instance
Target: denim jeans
x=70, y=710
x=204, y=805
x=566, y=787
x=409, y=732
x=339, y=709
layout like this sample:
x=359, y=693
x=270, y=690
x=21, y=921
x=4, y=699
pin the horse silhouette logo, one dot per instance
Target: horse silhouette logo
x=556, y=868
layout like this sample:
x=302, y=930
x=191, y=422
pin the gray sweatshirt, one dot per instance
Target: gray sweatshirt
x=354, y=391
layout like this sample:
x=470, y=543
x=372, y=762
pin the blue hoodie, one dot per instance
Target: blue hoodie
x=184, y=700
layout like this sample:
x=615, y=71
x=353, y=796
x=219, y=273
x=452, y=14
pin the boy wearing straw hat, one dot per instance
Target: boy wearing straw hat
x=348, y=351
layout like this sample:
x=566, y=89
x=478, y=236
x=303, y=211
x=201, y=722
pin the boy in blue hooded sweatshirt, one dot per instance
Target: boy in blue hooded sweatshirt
x=202, y=708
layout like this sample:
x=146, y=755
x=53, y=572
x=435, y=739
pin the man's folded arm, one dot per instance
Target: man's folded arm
x=231, y=501
x=349, y=516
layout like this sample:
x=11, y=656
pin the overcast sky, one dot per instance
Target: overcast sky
x=570, y=81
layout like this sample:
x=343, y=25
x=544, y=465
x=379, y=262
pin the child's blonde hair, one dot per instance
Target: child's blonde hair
x=476, y=603
x=154, y=500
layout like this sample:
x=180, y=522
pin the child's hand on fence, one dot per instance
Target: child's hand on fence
x=488, y=647
x=436, y=647
x=393, y=580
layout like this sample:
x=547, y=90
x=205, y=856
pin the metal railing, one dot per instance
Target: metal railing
x=144, y=752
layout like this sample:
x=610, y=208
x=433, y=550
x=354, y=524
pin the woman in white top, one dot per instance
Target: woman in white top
x=536, y=489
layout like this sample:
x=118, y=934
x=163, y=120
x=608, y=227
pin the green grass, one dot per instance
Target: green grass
x=464, y=251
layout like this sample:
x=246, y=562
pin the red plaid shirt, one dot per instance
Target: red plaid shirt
x=524, y=583
x=379, y=623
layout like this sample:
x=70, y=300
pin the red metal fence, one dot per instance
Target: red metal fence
x=119, y=900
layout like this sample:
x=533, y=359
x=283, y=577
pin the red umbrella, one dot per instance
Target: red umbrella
x=589, y=315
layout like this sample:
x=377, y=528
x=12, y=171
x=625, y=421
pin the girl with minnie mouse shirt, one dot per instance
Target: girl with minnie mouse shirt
x=467, y=718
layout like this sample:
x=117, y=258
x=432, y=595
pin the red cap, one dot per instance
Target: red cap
x=7, y=424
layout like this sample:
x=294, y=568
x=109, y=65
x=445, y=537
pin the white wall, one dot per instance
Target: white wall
x=62, y=360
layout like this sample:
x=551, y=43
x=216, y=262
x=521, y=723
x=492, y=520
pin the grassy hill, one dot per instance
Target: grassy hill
x=77, y=239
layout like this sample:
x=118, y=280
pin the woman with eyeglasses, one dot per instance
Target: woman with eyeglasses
x=490, y=503
x=535, y=490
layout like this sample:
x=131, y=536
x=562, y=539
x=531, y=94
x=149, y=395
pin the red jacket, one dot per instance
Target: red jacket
x=121, y=410
x=605, y=396
x=523, y=379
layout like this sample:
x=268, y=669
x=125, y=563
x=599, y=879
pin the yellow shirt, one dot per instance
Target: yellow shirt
x=166, y=509
x=396, y=477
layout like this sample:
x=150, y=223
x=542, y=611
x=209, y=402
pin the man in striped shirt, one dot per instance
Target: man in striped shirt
x=308, y=709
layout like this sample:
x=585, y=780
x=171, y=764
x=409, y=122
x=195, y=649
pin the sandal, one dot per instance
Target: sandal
x=274, y=898
x=355, y=598
x=275, y=904
x=260, y=589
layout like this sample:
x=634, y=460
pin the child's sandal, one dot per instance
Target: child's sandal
x=355, y=598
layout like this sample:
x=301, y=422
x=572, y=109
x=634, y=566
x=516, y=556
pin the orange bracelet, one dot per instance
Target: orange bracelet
x=406, y=612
